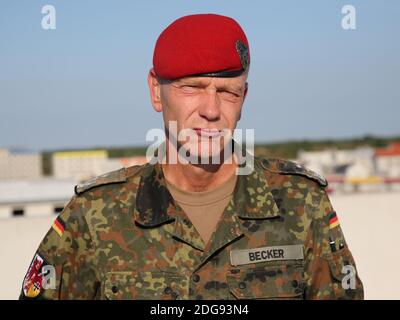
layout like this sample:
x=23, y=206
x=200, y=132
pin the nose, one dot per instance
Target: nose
x=209, y=107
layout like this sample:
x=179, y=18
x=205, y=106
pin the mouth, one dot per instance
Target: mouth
x=209, y=133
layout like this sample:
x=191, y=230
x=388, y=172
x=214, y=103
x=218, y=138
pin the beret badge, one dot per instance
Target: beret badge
x=243, y=53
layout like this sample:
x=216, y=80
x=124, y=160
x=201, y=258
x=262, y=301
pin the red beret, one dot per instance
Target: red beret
x=201, y=45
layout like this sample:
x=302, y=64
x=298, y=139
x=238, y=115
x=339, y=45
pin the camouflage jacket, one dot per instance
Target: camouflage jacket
x=123, y=237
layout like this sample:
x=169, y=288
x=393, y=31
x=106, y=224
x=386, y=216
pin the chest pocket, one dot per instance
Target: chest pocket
x=274, y=281
x=145, y=285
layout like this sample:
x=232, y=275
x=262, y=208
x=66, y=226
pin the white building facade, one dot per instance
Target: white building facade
x=359, y=162
x=79, y=165
x=19, y=165
x=83, y=165
x=388, y=161
x=34, y=198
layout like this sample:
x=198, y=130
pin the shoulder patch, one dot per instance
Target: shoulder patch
x=32, y=286
x=117, y=176
x=289, y=167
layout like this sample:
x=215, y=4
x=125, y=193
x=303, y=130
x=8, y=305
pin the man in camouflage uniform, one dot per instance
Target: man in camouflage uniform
x=124, y=236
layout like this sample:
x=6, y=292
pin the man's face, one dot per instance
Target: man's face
x=208, y=106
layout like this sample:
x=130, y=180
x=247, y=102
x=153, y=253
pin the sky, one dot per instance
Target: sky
x=83, y=84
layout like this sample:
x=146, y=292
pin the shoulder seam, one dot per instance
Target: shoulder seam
x=133, y=170
x=117, y=176
x=287, y=167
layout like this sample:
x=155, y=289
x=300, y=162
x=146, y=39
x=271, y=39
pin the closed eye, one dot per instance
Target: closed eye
x=231, y=95
x=190, y=88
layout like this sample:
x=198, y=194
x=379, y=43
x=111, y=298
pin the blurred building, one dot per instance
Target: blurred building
x=34, y=198
x=388, y=160
x=18, y=164
x=357, y=162
x=117, y=163
x=79, y=165
x=82, y=165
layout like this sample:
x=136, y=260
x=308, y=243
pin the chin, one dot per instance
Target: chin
x=205, y=153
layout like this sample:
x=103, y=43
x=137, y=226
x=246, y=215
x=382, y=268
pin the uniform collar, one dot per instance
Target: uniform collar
x=252, y=198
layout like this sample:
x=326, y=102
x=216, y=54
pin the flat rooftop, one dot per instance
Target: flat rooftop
x=36, y=190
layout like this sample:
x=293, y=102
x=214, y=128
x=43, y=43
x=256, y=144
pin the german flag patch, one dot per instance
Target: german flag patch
x=58, y=226
x=333, y=220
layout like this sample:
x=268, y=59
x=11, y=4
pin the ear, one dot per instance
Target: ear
x=245, y=90
x=155, y=90
x=244, y=97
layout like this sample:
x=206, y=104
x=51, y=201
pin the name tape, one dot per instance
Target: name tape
x=275, y=253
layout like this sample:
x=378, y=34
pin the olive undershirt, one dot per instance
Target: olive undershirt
x=204, y=209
